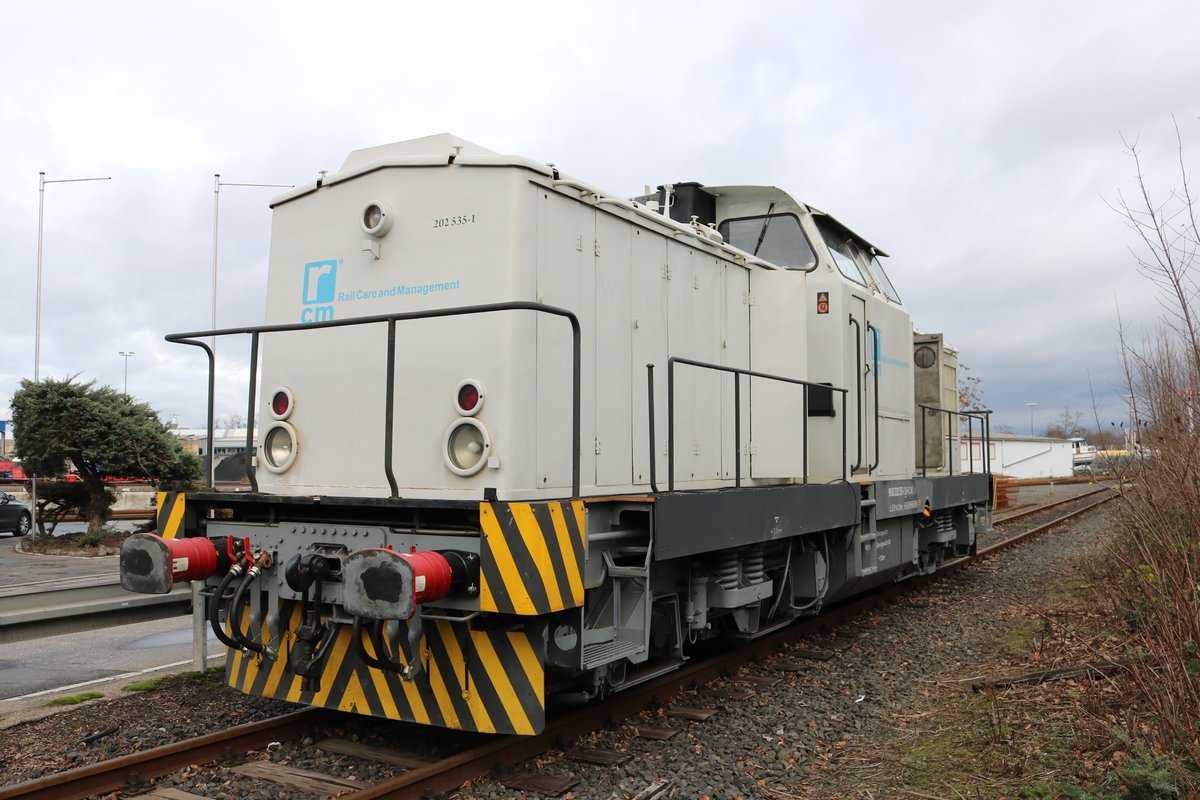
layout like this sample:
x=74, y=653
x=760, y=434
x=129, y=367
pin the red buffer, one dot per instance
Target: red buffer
x=151, y=564
x=379, y=583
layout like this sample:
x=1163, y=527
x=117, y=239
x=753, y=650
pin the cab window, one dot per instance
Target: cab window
x=844, y=251
x=776, y=238
x=881, y=279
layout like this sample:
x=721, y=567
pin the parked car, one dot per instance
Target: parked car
x=14, y=515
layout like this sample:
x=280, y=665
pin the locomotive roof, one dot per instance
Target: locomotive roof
x=435, y=150
x=757, y=195
x=439, y=145
x=446, y=148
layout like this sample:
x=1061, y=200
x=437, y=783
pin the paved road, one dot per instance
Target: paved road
x=33, y=672
x=18, y=568
x=56, y=661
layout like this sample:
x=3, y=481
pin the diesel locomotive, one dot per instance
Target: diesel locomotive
x=515, y=442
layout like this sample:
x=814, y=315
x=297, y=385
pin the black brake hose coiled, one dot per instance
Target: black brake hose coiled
x=383, y=658
x=235, y=610
x=356, y=636
x=381, y=649
x=214, y=609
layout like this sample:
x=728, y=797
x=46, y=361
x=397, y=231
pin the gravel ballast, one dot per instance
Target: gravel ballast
x=790, y=739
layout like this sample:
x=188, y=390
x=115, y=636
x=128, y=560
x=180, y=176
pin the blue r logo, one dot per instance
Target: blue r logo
x=320, y=281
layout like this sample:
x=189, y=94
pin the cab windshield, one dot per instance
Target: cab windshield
x=776, y=238
x=854, y=262
x=846, y=254
x=881, y=279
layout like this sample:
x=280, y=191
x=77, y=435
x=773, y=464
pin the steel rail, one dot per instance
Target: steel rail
x=136, y=768
x=450, y=773
x=1037, y=509
x=1020, y=537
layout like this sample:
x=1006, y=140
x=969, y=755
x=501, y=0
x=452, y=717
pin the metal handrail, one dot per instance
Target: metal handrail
x=858, y=373
x=255, y=331
x=876, y=359
x=984, y=417
x=737, y=414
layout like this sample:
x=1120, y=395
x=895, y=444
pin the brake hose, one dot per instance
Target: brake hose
x=235, y=610
x=214, y=610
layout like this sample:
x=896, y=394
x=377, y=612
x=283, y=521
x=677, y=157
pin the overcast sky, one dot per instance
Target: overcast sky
x=977, y=143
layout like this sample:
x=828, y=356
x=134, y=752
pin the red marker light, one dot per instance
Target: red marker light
x=468, y=397
x=281, y=403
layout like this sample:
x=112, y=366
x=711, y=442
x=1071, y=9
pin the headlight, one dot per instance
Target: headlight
x=279, y=447
x=467, y=446
x=376, y=219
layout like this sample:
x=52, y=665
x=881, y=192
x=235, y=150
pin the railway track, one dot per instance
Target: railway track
x=1023, y=520
x=244, y=752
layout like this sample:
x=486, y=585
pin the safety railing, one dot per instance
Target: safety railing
x=737, y=373
x=953, y=424
x=390, y=321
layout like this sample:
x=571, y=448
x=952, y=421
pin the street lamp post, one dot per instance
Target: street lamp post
x=37, y=312
x=217, y=184
x=1132, y=431
x=126, y=356
x=199, y=632
x=1031, y=407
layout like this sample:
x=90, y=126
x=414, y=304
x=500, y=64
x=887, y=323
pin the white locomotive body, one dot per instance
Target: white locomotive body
x=490, y=229
x=518, y=435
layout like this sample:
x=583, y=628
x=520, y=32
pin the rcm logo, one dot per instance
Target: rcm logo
x=320, y=289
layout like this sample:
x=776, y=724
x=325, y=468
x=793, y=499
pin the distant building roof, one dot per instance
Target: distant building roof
x=218, y=433
x=1019, y=437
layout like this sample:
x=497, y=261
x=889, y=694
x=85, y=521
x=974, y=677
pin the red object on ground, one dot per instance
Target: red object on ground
x=11, y=470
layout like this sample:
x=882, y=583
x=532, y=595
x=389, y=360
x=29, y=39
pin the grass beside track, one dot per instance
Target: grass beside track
x=1059, y=740
x=75, y=699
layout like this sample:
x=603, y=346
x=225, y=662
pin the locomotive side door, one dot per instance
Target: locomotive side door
x=859, y=441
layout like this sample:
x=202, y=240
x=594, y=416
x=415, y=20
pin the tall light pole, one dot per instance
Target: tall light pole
x=37, y=324
x=37, y=313
x=126, y=356
x=217, y=184
x=1131, y=432
x=1031, y=407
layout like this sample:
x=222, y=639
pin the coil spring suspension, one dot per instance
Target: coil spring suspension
x=752, y=565
x=725, y=569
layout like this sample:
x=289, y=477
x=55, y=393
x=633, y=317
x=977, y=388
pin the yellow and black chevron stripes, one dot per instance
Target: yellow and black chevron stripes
x=491, y=681
x=170, y=514
x=531, y=557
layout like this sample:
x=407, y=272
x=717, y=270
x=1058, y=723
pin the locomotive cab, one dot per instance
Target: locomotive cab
x=858, y=334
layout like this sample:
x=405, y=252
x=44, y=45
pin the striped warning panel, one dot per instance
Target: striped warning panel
x=170, y=514
x=490, y=681
x=531, y=557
